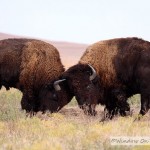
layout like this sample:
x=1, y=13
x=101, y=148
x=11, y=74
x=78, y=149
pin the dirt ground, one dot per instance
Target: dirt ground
x=77, y=113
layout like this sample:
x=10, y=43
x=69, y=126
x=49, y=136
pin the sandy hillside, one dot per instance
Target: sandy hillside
x=70, y=52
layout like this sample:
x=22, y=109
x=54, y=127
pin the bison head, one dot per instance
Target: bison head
x=54, y=96
x=83, y=82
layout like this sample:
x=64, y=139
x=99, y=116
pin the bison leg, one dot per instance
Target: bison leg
x=109, y=113
x=112, y=112
x=89, y=109
x=111, y=106
x=28, y=103
x=117, y=105
x=120, y=100
x=144, y=106
x=104, y=118
x=145, y=100
x=25, y=103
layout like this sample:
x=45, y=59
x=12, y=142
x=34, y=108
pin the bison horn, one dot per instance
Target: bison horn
x=56, y=84
x=92, y=77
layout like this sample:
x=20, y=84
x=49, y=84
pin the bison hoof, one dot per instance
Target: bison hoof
x=93, y=113
x=30, y=113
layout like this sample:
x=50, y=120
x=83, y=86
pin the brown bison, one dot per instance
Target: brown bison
x=29, y=65
x=109, y=72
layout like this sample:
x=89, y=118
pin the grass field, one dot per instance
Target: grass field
x=69, y=129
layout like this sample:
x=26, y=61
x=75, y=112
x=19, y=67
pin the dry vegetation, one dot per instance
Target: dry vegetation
x=69, y=129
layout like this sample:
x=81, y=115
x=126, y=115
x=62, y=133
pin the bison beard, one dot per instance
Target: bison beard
x=28, y=65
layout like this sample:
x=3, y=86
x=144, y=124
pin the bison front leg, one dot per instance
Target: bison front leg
x=89, y=109
x=120, y=101
x=112, y=112
x=116, y=103
x=27, y=103
x=109, y=114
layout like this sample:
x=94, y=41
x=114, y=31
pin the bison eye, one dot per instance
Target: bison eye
x=54, y=97
x=88, y=87
x=89, y=73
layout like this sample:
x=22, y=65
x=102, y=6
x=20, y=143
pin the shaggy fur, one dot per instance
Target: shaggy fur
x=86, y=91
x=122, y=67
x=28, y=65
x=52, y=99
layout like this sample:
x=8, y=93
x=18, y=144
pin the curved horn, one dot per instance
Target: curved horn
x=56, y=84
x=93, y=73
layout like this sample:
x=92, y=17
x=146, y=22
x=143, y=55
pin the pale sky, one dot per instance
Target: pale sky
x=80, y=21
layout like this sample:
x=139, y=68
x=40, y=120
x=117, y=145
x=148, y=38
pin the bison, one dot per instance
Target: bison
x=29, y=65
x=109, y=72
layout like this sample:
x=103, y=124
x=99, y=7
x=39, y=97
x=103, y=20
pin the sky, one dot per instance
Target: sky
x=80, y=21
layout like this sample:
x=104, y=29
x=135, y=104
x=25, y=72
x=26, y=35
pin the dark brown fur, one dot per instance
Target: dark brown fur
x=28, y=65
x=122, y=67
x=52, y=99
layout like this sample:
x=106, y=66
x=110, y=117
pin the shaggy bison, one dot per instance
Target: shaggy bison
x=29, y=65
x=109, y=72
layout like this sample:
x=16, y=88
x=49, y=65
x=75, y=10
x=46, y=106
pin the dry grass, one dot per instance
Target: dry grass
x=69, y=129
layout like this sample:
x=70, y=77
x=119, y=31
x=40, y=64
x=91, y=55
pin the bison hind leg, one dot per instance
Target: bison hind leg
x=145, y=104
